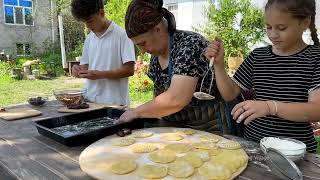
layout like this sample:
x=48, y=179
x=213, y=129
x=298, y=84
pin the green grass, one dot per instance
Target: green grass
x=17, y=91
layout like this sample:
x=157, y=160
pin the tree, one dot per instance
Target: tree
x=237, y=22
x=116, y=10
x=74, y=31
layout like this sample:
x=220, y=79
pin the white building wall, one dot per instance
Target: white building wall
x=199, y=17
x=318, y=14
x=189, y=13
x=184, y=20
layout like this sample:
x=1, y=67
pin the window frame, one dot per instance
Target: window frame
x=14, y=13
x=173, y=8
x=24, y=47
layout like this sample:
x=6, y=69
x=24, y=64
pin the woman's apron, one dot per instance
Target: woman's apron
x=211, y=116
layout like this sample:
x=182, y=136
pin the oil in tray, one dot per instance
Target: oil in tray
x=85, y=126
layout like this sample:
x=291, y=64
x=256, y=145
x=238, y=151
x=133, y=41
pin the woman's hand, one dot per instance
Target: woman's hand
x=127, y=116
x=216, y=50
x=250, y=110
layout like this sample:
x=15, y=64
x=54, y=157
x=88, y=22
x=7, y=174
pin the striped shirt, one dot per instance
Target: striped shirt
x=287, y=79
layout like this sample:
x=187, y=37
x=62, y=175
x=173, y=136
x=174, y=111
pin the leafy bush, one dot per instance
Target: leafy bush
x=74, y=33
x=140, y=81
x=237, y=22
x=77, y=52
x=55, y=59
x=116, y=11
x=21, y=60
x=5, y=69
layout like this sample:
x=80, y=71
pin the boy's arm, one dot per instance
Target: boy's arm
x=125, y=70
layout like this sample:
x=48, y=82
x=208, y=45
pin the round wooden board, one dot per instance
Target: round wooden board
x=97, y=158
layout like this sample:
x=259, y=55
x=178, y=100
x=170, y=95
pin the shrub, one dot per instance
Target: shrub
x=237, y=22
x=5, y=69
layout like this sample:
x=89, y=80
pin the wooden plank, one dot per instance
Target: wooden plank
x=54, y=160
x=254, y=172
x=6, y=173
x=19, y=113
x=21, y=166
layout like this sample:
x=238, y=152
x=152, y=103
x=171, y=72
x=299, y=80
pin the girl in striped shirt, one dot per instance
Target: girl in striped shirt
x=285, y=76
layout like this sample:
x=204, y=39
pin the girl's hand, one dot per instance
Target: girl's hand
x=216, y=50
x=250, y=110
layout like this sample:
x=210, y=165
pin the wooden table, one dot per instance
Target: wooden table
x=24, y=154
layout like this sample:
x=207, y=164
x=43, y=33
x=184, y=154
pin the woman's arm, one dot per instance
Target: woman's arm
x=173, y=100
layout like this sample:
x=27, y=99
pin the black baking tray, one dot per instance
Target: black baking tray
x=48, y=127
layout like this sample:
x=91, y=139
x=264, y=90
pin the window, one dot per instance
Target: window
x=23, y=49
x=18, y=12
x=173, y=8
x=20, y=49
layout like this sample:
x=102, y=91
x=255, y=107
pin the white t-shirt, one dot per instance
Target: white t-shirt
x=108, y=52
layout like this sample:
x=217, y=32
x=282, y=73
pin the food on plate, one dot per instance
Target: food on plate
x=152, y=171
x=203, y=154
x=231, y=159
x=185, y=131
x=180, y=169
x=210, y=138
x=124, y=166
x=172, y=137
x=142, y=134
x=162, y=156
x=178, y=147
x=122, y=141
x=37, y=100
x=207, y=145
x=193, y=159
x=214, y=151
x=229, y=144
x=214, y=171
x=143, y=147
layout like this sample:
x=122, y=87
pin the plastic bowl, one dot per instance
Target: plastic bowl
x=293, y=154
x=37, y=100
x=69, y=96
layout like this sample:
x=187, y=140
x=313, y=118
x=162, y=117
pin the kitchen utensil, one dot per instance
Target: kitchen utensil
x=206, y=96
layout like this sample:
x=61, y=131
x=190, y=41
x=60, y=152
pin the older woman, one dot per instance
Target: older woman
x=177, y=68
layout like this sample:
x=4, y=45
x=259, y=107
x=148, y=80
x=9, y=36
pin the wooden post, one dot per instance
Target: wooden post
x=62, y=45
